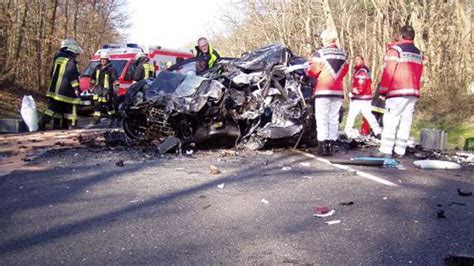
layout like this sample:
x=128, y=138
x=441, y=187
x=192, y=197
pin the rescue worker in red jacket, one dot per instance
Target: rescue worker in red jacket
x=63, y=91
x=361, y=96
x=400, y=85
x=329, y=66
x=106, y=85
x=144, y=69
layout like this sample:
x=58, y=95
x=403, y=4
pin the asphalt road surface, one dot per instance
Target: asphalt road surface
x=76, y=206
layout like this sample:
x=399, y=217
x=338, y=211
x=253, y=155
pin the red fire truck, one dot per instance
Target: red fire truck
x=122, y=58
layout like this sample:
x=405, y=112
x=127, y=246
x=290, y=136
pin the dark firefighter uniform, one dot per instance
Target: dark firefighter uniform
x=62, y=91
x=143, y=70
x=104, y=79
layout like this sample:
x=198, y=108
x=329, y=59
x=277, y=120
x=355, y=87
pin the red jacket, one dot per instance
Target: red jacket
x=329, y=66
x=401, y=76
x=361, y=84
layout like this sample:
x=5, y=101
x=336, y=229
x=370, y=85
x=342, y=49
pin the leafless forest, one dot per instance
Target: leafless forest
x=30, y=33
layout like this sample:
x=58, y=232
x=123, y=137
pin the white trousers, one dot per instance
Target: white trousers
x=364, y=107
x=397, y=124
x=327, y=117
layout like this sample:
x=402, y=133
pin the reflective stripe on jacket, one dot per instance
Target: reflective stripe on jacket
x=149, y=70
x=401, y=76
x=329, y=66
x=64, y=78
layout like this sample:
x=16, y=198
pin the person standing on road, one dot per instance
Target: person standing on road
x=204, y=49
x=329, y=66
x=106, y=85
x=361, y=96
x=63, y=91
x=144, y=69
x=400, y=85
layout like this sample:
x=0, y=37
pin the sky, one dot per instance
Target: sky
x=173, y=23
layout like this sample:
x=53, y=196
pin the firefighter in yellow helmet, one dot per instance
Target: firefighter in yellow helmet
x=106, y=84
x=144, y=69
x=63, y=91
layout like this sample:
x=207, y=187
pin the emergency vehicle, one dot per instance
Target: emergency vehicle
x=122, y=58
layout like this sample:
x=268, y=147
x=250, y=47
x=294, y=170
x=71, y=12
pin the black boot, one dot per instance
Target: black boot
x=43, y=122
x=321, y=148
x=57, y=123
x=328, y=147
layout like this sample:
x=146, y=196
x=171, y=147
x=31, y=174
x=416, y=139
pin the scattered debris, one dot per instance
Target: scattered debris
x=323, y=212
x=213, y=170
x=264, y=201
x=286, y=168
x=225, y=153
x=349, y=203
x=464, y=193
x=305, y=164
x=220, y=186
x=116, y=138
x=368, y=161
x=268, y=153
x=440, y=214
x=168, y=144
x=436, y=165
x=456, y=203
x=459, y=260
x=206, y=207
x=333, y=222
x=189, y=152
x=119, y=163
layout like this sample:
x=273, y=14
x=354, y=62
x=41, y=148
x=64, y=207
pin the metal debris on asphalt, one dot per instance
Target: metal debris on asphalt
x=323, y=212
x=220, y=186
x=333, y=222
x=349, y=203
x=213, y=170
x=264, y=201
x=441, y=214
x=464, y=193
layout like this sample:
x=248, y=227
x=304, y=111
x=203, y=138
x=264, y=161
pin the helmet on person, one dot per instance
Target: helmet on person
x=104, y=55
x=139, y=55
x=72, y=46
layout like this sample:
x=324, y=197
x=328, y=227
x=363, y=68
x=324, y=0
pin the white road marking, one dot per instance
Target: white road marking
x=349, y=169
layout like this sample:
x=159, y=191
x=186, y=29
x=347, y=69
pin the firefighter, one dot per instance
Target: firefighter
x=361, y=96
x=205, y=49
x=400, y=85
x=63, y=91
x=106, y=85
x=143, y=69
x=329, y=66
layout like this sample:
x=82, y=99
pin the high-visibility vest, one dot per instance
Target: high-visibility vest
x=149, y=70
x=212, y=59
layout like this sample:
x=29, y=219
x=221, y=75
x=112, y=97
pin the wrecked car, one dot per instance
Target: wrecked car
x=259, y=99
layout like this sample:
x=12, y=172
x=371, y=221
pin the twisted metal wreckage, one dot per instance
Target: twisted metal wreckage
x=262, y=98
